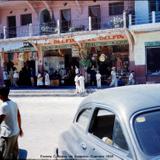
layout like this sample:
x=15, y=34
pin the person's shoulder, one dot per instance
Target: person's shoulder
x=4, y=104
x=11, y=102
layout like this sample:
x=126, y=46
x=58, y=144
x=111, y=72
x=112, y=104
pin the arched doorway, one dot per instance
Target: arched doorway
x=47, y=25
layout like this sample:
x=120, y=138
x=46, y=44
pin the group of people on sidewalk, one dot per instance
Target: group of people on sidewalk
x=16, y=79
x=114, y=80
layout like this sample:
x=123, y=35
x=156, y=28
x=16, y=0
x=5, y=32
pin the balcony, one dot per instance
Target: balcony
x=150, y=22
x=76, y=25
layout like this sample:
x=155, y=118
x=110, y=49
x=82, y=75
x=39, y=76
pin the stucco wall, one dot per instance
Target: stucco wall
x=139, y=48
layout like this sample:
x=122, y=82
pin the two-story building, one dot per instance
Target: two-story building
x=53, y=35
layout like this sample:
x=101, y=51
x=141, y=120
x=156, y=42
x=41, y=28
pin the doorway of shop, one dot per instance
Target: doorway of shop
x=70, y=63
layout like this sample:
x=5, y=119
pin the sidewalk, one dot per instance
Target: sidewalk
x=34, y=92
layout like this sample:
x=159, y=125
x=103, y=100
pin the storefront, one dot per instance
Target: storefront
x=147, y=57
x=103, y=51
x=59, y=59
x=21, y=57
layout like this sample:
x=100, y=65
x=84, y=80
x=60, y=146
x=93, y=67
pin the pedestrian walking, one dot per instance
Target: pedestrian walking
x=98, y=78
x=47, y=79
x=32, y=76
x=93, y=76
x=39, y=80
x=81, y=84
x=10, y=120
x=131, y=78
x=113, y=78
x=6, y=78
x=76, y=80
x=15, y=78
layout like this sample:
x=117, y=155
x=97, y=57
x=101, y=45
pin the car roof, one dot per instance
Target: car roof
x=127, y=100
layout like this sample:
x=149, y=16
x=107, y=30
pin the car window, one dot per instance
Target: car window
x=83, y=118
x=147, y=129
x=106, y=127
x=119, y=140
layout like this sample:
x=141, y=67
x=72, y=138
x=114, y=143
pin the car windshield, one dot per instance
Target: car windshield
x=147, y=129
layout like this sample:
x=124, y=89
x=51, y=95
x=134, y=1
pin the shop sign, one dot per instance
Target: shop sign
x=62, y=41
x=152, y=44
x=108, y=38
x=109, y=43
x=87, y=38
x=75, y=51
x=53, y=47
x=27, y=49
x=39, y=41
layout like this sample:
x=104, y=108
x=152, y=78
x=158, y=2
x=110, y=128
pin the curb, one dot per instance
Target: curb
x=49, y=93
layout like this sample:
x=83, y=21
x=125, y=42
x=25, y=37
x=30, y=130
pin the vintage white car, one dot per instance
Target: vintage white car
x=120, y=123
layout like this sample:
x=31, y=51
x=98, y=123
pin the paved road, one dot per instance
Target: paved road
x=43, y=119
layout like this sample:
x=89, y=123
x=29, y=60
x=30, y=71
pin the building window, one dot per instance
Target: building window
x=95, y=14
x=153, y=59
x=65, y=20
x=154, y=5
x=116, y=8
x=26, y=19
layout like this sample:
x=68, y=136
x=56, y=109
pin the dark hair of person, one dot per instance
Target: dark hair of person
x=4, y=91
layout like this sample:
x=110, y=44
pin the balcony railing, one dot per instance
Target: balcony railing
x=153, y=17
x=76, y=25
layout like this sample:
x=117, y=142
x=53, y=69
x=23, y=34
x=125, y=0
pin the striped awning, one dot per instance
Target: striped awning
x=10, y=46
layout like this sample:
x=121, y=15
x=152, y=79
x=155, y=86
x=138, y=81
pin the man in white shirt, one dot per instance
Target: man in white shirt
x=15, y=78
x=98, y=78
x=10, y=126
x=39, y=80
x=114, y=82
x=81, y=84
x=131, y=79
x=77, y=83
x=47, y=79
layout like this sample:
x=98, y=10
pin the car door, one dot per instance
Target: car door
x=106, y=138
x=81, y=124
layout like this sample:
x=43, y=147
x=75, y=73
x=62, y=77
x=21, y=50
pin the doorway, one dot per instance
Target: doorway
x=12, y=27
x=65, y=20
x=95, y=14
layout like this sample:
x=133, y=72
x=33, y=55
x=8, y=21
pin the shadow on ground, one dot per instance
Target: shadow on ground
x=22, y=154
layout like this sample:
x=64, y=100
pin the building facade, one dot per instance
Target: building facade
x=145, y=29
x=58, y=35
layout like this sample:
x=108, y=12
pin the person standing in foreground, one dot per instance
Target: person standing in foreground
x=10, y=126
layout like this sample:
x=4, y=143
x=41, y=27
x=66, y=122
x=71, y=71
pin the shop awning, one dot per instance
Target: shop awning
x=10, y=46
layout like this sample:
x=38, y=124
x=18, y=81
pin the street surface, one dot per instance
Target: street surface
x=43, y=120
